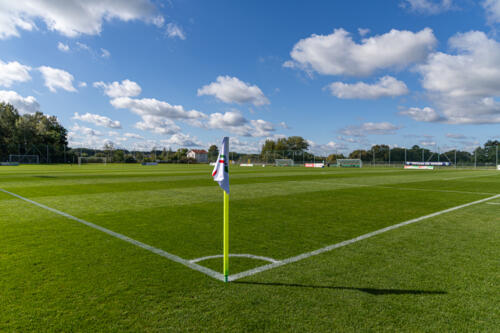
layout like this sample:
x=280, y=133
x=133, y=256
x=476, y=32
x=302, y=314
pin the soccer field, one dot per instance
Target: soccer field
x=131, y=247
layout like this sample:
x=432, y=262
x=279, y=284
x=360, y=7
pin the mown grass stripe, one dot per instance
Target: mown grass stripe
x=306, y=255
x=122, y=237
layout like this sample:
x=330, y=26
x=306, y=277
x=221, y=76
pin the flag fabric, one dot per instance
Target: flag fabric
x=221, y=169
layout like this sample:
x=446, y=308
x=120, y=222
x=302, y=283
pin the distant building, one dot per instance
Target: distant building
x=199, y=155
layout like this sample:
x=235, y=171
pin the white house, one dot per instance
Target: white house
x=199, y=155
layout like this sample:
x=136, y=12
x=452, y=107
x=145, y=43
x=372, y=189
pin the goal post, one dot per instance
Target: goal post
x=284, y=162
x=92, y=160
x=24, y=159
x=349, y=163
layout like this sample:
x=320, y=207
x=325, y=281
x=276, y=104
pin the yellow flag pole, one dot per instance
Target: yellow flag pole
x=226, y=236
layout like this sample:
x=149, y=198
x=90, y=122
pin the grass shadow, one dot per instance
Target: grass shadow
x=372, y=291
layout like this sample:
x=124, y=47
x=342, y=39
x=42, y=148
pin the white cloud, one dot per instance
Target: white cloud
x=430, y=7
x=233, y=90
x=154, y=107
x=57, y=79
x=492, y=8
x=338, y=54
x=182, y=140
x=426, y=114
x=244, y=146
x=72, y=17
x=325, y=149
x=465, y=86
x=284, y=125
x=382, y=128
x=98, y=120
x=83, y=46
x=105, y=53
x=156, y=124
x=22, y=104
x=234, y=122
x=386, y=86
x=82, y=84
x=261, y=128
x=12, y=72
x=116, y=89
x=362, y=32
x=175, y=31
x=133, y=136
x=63, y=47
x=427, y=143
x=78, y=131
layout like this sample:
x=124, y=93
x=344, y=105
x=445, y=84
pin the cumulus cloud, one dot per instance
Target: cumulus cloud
x=158, y=125
x=363, y=31
x=386, y=86
x=63, y=47
x=325, y=149
x=98, y=120
x=82, y=84
x=182, y=140
x=72, y=17
x=57, y=79
x=175, y=31
x=465, y=86
x=22, y=104
x=133, y=136
x=78, y=131
x=382, y=128
x=338, y=54
x=492, y=8
x=233, y=90
x=234, y=122
x=426, y=114
x=430, y=7
x=116, y=89
x=154, y=107
x=12, y=72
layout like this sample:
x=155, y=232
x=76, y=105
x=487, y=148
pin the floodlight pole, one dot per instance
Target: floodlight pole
x=389, y=156
x=475, y=159
x=455, y=158
x=422, y=154
x=405, y=156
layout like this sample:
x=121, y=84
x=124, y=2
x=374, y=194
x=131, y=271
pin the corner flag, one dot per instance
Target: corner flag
x=221, y=176
x=221, y=169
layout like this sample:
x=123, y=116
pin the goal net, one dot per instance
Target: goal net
x=24, y=159
x=284, y=162
x=349, y=163
x=92, y=160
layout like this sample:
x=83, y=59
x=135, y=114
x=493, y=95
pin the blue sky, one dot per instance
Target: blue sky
x=342, y=74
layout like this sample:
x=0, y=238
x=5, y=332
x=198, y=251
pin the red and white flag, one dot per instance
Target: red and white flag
x=221, y=169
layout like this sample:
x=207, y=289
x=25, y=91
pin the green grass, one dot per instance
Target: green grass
x=441, y=274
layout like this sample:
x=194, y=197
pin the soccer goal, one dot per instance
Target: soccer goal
x=92, y=160
x=24, y=159
x=284, y=162
x=349, y=163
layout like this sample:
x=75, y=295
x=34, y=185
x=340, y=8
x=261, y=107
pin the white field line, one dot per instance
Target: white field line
x=251, y=256
x=350, y=241
x=150, y=248
x=475, y=176
x=409, y=188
